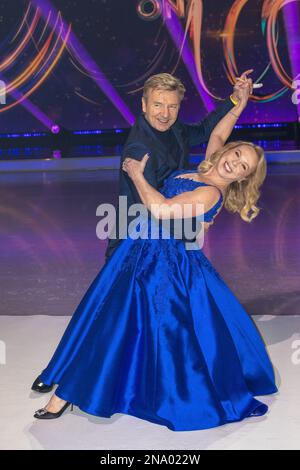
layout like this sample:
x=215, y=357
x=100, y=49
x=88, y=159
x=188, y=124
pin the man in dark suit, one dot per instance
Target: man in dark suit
x=158, y=132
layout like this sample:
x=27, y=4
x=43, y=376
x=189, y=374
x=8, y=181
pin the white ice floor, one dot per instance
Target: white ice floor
x=27, y=343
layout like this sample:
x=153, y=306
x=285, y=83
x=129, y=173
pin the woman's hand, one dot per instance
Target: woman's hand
x=134, y=168
x=243, y=88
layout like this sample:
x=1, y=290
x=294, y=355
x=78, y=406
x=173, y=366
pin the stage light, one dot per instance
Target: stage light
x=56, y=154
x=87, y=61
x=55, y=129
x=98, y=131
x=177, y=34
x=88, y=132
x=20, y=135
x=149, y=10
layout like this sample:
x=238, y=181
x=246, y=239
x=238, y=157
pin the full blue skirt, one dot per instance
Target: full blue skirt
x=160, y=336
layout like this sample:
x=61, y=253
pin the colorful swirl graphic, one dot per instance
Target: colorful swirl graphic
x=49, y=45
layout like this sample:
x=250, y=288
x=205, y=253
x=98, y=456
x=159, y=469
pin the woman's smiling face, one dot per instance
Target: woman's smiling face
x=237, y=163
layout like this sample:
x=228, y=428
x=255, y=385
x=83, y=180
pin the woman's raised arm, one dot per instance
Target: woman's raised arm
x=223, y=129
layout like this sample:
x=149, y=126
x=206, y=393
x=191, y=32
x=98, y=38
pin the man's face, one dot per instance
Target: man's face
x=161, y=108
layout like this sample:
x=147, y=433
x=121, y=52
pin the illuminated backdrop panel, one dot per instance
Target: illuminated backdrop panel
x=82, y=64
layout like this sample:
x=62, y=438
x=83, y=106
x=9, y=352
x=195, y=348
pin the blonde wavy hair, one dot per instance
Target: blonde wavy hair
x=164, y=81
x=241, y=196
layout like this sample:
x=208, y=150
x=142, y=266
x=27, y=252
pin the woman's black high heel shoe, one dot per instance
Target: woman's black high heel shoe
x=42, y=413
x=39, y=386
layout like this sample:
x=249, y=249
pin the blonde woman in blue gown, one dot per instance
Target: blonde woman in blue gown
x=158, y=334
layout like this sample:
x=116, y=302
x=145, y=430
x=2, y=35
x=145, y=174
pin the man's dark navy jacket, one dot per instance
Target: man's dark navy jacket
x=142, y=139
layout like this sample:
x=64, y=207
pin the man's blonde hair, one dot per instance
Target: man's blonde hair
x=163, y=81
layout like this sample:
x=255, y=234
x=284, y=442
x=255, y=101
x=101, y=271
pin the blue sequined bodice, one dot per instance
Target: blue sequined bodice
x=173, y=186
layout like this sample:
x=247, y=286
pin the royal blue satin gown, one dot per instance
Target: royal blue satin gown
x=159, y=335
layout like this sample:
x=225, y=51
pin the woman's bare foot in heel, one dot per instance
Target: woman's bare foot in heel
x=54, y=408
x=55, y=404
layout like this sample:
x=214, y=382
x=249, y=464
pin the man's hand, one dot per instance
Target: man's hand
x=133, y=167
x=243, y=88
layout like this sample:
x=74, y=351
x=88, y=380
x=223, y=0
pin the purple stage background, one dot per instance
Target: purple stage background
x=94, y=79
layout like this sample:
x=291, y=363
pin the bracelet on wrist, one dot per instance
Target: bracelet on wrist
x=233, y=100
